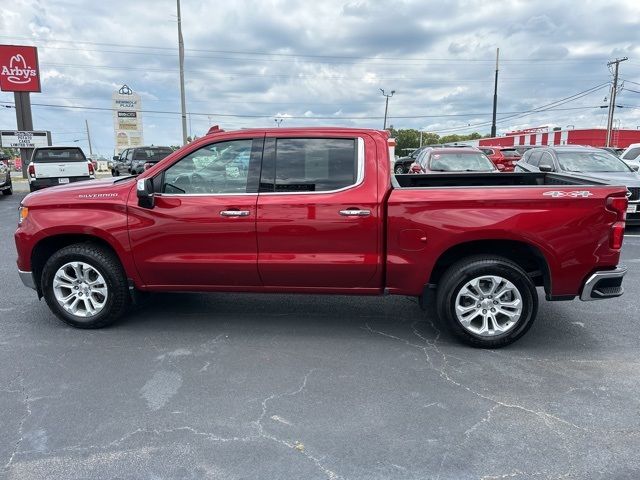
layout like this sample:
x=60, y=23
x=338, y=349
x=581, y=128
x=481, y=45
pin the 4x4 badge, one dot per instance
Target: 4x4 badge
x=574, y=194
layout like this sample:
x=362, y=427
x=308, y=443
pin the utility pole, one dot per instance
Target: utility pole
x=495, y=96
x=86, y=122
x=612, y=97
x=386, y=106
x=25, y=122
x=181, y=60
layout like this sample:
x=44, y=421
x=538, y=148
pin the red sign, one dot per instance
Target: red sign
x=19, y=71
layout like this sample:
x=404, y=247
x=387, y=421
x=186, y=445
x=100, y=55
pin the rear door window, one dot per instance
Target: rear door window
x=510, y=152
x=313, y=164
x=59, y=155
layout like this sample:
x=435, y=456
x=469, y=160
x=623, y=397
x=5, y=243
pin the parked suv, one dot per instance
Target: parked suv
x=587, y=161
x=52, y=166
x=632, y=155
x=6, y=186
x=502, y=156
x=132, y=160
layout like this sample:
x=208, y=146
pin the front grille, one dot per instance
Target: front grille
x=635, y=194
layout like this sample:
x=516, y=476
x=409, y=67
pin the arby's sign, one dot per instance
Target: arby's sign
x=19, y=69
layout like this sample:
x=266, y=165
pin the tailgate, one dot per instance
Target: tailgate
x=61, y=169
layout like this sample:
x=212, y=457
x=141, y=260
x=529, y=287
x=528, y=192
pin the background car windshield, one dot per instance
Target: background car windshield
x=511, y=153
x=51, y=155
x=460, y=162
x=591, y=162
x=151, y=154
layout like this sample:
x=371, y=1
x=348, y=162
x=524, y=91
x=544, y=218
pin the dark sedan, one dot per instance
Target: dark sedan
x=587, y=161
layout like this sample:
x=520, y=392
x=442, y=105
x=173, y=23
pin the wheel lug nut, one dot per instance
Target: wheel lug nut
x=493, y=309
x=495, y=301
x=484, y=311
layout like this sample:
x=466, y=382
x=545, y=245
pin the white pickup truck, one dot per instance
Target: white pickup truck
x=52, y=166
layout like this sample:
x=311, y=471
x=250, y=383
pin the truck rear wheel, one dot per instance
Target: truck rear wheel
x=487, y=301
x=85, y=286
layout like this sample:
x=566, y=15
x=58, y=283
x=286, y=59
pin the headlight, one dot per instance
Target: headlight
x=23, y=212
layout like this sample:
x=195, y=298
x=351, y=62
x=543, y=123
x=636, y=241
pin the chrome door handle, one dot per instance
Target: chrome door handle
x=355, y=213
x=234, y=213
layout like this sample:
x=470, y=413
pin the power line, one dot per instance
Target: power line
x=307, y=55
x=301, y=117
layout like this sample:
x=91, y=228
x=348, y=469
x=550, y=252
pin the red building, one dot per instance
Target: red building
x=595, y=137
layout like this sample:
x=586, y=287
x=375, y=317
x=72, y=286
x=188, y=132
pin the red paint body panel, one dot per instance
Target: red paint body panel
x=570, y=234
x=300, y=243
x=303, y=240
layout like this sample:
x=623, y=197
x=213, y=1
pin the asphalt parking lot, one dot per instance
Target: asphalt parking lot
x=235, y=386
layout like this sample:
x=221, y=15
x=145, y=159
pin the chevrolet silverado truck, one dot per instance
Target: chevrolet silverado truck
x=318, y=211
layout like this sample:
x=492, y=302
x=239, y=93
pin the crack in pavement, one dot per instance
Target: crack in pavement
x=27, y=414
x=546, y=417
x=259, y=427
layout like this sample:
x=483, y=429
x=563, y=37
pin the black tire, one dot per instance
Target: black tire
x=8, y=191
x=477, y=266
x=398, y=170
x=115, y=173
x=31, y=189
x=108, y=265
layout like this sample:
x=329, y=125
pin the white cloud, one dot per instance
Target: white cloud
x=331, y=59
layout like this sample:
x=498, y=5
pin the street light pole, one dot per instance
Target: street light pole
x=181, y=61
x=386, y=106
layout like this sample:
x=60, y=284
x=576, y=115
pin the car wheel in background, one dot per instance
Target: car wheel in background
x=487, y=301
x=85, y=285
x=398, y=170
x=8, y=191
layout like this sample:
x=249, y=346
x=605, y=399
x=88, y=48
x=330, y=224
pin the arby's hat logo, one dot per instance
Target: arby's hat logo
x=19, y=70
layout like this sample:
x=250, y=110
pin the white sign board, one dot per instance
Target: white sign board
x=127, y=119
x=16, y=139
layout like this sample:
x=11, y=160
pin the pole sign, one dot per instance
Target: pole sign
x=19, y=69
x=17, y=139
x=127, y=119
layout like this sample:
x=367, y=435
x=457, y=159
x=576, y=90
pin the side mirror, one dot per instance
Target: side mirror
x=634, y=167
x=144, y=190
x=116, y=157
x=545, y=167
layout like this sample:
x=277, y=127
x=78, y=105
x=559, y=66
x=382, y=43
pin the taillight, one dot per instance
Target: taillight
x=616, y=235
x=32, y=170
x=91, y=169
x=618, y=205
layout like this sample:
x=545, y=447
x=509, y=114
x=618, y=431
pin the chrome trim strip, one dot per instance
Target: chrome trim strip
x=27, y=279
x=359, y=180
x=587, y=289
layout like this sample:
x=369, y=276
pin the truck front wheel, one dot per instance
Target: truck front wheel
x=487, y=301
x=85, y=285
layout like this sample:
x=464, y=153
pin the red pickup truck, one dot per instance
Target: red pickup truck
x=317, y=210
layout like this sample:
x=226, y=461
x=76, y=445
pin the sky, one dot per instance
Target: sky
x=324, y=63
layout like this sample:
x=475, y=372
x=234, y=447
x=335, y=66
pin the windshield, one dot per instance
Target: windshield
x=460, y=162
x=591, y=162
x=151, y=154
x=53, y=155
